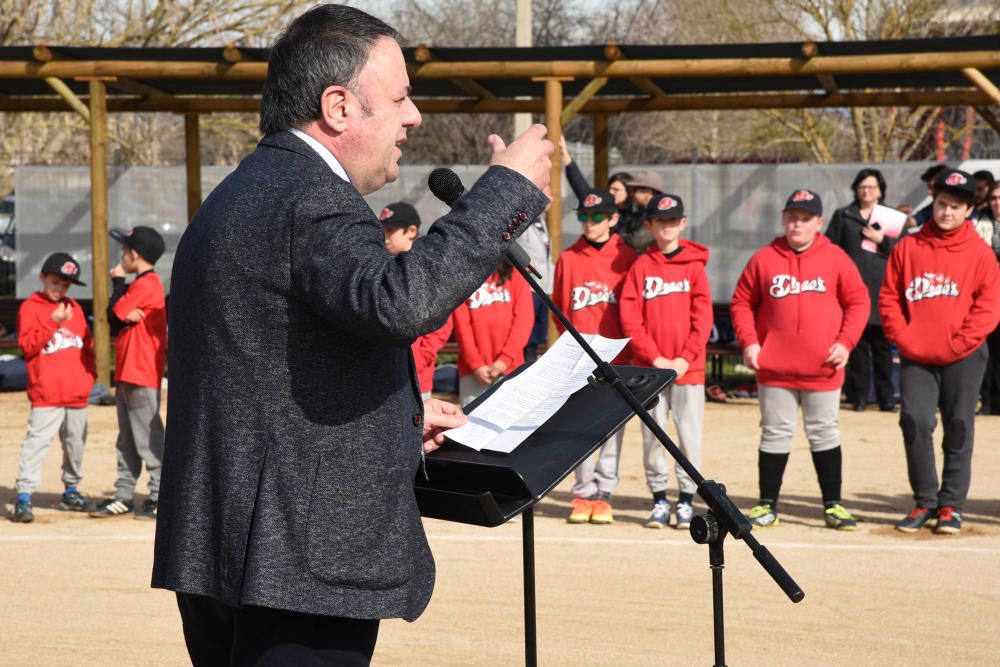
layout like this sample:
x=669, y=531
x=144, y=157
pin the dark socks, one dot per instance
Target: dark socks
x=659, y=496
x=828, y=466
x=770, y=471
x=686, y=498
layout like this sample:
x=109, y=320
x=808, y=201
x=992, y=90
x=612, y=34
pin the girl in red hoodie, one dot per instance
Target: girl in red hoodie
x=587, y=286
x=58, y=352
x=666, y=310
x=939, y=302
x=492, y=328
x=799, y=308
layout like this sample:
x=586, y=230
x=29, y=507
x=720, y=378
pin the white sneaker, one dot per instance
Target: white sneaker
x=683, y=513
x=660, y=515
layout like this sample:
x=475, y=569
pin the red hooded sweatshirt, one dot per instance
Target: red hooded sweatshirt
x=494, y=324
x=141, y=348
x=59, y=357
x=796, y=305
x=588, y=284
x=941, y=294
x=425, y=352
x=666, y=308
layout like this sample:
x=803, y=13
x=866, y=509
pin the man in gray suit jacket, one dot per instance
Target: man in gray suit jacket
x=287, y=520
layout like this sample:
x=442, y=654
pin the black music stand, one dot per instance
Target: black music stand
x=489, y=488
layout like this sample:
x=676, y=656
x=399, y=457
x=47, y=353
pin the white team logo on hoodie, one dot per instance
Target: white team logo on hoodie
x=656, y=286
x=63, y=339
x=487, y=295
x=930, y=286
x=783, y=285
x=591, y=293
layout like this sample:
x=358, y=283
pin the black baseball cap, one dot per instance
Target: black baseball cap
x=957, y=180
x=144, y=240
x=931, y=172
x=804, y=200
x=597, y=201
x=399, y=214
x=63, y=265
x=665, y=206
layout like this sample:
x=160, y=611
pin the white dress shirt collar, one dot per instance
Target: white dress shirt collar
x=324, y=153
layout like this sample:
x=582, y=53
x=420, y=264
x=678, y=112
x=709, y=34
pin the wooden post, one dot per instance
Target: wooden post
x=553, y=121
x=99, y=227
x=600, y=150
x=192, y=161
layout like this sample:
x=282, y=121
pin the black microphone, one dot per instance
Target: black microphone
x=445, y=184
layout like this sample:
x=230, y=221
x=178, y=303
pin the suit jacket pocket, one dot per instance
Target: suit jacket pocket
x=363, y=530
x=796, y=355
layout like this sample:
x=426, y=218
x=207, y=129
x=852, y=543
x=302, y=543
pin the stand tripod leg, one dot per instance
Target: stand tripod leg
x=528, y=555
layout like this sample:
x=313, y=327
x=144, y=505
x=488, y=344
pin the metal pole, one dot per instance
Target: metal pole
x=528, y=555
x=99, y=227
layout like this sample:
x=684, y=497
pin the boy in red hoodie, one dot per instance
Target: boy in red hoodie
x=59, y=355
x=401, y=224
x=666, y=310
x=799, y=309
x=587, y=285
x=939, y=301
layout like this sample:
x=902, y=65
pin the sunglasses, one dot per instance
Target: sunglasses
x=592, y=217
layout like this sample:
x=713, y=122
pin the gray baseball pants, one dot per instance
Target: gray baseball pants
x=779, y=411
x=140, y=438
x=43, y=424
x=599, y=474
x=686, y=403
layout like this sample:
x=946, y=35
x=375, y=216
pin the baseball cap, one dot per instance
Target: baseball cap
x=144, y=240
x=646, y=179
x=597, y=201
x=399, y=214
x=804, y=200
x=665, y=206
x=931, y=172
x=957, y=180
x=63, y=265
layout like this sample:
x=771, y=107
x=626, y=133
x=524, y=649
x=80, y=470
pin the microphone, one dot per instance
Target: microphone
x=445, y=184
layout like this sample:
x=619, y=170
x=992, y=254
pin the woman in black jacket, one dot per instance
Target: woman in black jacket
x=849, y=228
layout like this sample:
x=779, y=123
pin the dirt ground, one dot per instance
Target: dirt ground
x=75, y=591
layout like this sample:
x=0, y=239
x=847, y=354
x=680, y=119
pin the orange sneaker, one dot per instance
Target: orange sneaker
x=600, y=512
x=581, y=511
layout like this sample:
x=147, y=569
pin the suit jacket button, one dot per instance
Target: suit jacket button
x=418, y=420
x=506, y=236
x=522, y=216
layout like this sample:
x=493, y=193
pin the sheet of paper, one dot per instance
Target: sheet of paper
x=525, y=402
x=889, y=220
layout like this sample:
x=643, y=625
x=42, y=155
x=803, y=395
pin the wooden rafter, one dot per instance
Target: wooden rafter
x=648, y=86
x=991, y=118
x=577, y=103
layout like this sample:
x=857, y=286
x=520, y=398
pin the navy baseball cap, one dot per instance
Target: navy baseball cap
x=665, y=206
x=597, y=201
x=804, y=200
x=63, y=265
x=144, y=240
x=399, y=214
x=957, y=180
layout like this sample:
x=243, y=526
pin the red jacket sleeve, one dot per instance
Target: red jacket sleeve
x=137, y=295
x=983, y=315
x=746, y=299
x=32, y=335
x=643, y=346
x=701, y=317
x=426, y=348
x=465, y=336
x=559, y=296
x=853, y=296
x=523, y=321
x=890, y=297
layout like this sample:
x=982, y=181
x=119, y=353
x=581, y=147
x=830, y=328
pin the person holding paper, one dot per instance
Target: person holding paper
x=850, y=230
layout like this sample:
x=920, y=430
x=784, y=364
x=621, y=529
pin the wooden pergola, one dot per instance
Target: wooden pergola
x=560, y=82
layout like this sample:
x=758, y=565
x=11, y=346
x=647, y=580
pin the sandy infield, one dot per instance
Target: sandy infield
x=75, y=591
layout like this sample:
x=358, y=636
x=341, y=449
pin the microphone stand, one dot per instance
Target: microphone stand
x=723, y=517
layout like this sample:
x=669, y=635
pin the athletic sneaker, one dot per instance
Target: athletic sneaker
x=113, y=507
x=660, y=515
x=74, y=501
x=915, y=520
x=148, y=510
x=949, y=521
x=763, y=516
x=580, y=512
x=600, y=512
x=683, y=513
x=22, y=512
x=839, y=518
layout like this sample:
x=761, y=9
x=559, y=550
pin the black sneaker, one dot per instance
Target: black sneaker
x=74, y=501
x=949, y=521
x=148, y=510
x=22, y=512
x=915, y=520
x=113, y=507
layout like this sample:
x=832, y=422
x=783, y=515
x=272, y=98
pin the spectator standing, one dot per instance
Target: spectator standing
x=980, y=208
x=990, y=222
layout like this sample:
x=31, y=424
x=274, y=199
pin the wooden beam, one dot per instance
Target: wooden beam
x=582, y=98
x=192, y=163
x=44, y=54
x=99, y=228
x=600, y=150
x=75, y=102
x=991, y=118
x=140, y=89
x=612, y=52
x=982, y=83
x=811, y=50
x=553, y=114
x=646, y=85
x=68, y=69
x=474, y=88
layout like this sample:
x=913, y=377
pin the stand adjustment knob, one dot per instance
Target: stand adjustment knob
x=704, y=529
